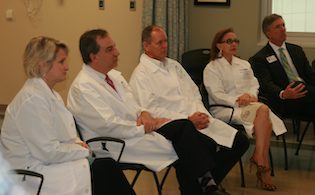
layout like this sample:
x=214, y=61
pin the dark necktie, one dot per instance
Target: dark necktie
x=110, y=82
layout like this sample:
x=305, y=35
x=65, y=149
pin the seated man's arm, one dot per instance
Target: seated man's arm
x=95, y=113
x=200, y=120
x=150, y=124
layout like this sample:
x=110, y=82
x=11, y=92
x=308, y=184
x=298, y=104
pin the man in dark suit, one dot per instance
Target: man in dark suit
x=283, y=71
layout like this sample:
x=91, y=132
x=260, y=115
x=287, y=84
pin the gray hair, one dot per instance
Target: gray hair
x=268, y=20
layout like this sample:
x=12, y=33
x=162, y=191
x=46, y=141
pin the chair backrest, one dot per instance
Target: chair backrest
x=103, y=140
x=123, y=165
x=194, y=62
x=204, y=96
x=208, y=105
x=27, y=173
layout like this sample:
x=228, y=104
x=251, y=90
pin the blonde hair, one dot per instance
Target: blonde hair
x=40, y=50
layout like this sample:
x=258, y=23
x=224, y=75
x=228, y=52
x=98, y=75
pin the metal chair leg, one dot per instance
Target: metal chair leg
x=296, y=128
x=271, y=163
x=301, y=139
x=135, y=178
x=156, y=179
x=242, y=173
x=165, y=175
x=286, y=166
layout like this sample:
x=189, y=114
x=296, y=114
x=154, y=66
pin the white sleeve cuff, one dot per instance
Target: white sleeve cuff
x=281, y=94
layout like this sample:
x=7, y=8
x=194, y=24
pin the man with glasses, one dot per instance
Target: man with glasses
x=161, y=85
x=283, y=71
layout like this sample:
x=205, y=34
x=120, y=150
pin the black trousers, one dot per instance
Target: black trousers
x=301, y=107
x=108, y=178
x=199, y=154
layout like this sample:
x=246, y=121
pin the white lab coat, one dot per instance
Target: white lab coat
x=101, y=111
x=225, y=83
x=38, y=134
x=166, y=90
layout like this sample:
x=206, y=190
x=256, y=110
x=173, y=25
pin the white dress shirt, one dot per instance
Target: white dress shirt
x=39, y=134
x=287, y=55
x=166, y=90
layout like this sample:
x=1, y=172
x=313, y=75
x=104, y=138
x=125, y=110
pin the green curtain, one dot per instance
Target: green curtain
x=172, y=15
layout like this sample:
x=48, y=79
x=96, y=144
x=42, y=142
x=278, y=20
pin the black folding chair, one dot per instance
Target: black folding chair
x=194, y=62
x=296, y=122
x=127, y=166
x=28, y=173
x=205, y=100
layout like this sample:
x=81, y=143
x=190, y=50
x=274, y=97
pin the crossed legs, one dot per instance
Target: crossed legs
x=198, y=155
x=262, y=131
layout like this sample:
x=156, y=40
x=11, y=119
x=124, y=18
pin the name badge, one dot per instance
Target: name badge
x=271, y=59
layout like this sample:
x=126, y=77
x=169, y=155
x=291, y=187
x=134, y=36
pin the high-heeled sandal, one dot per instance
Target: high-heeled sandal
x=252, y=162
x=261, y=172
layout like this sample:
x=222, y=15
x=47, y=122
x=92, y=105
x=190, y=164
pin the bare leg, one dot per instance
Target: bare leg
x=263, y=129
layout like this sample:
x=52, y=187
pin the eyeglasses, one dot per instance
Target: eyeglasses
x=230, y=41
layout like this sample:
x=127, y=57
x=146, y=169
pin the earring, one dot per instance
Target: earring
x=220, y=53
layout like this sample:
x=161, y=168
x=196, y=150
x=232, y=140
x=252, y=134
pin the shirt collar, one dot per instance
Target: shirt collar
x=153, y=64
x=41, y=84
x=235, y=61
x=100, y=76
x=276, y=48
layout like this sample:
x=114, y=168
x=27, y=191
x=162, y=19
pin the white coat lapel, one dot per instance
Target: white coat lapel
x=124, y=92
x=58, y=107
x=177, y=75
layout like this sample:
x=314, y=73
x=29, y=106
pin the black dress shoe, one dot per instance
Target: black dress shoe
x=216, y=192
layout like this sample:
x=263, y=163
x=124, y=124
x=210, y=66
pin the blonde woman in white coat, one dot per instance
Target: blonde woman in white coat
x=229, y=80
x=38, y=132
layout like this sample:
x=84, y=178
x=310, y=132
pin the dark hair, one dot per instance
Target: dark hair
x=218, y=39
x=89, y=45
x=146, y=32
x=268, y=20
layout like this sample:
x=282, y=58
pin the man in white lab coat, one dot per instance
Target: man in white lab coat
x=103, y=105
x=161, y=85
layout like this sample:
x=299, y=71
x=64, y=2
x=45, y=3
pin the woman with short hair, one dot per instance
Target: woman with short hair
x=39, y=133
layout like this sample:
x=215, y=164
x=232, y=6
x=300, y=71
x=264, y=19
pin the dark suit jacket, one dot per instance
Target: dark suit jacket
x=272, y=77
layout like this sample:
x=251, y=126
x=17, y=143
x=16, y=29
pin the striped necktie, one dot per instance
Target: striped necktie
x=285, y=64
x=110, y=82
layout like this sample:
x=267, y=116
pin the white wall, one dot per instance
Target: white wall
x=65, y=20
x=68, y=19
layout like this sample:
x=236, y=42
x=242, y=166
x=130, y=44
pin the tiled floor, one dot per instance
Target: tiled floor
x=298, y=180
